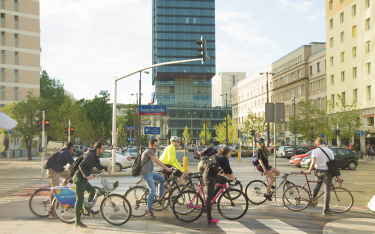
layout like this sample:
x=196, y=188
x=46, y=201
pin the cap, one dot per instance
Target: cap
x=7, y=122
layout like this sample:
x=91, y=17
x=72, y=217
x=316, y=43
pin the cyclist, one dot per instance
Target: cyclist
x=262, y=155
x=150, y=176
x=210, y=178
x=169, y=158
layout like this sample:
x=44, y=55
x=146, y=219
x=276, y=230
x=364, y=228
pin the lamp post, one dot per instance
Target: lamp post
x=226, y=116
x=140, y=97
x=294, y=128
x=136, y=120
x=192, y=131
x=268, y=124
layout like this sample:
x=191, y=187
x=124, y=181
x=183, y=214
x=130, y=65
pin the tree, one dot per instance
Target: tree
x=186, y=134
x=202, y=135
x=260, y=126
x=51, y=89
x=220, y=130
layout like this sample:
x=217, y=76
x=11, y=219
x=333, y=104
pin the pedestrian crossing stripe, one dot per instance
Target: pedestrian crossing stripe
x=280, y=227
x=233, y=227
x=355, y=225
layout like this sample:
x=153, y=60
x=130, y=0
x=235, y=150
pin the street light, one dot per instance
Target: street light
x=139, y=117
x=135, y=118
x=226, y=116
x=268, y=123
x=294, y=128
x=191, y=113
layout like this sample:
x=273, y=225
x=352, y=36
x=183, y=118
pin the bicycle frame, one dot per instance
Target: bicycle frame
x=224, y=186
x=309, y=189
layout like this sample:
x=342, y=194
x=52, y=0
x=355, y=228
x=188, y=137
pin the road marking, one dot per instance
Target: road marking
x=279, y=226
x=233, y=227
x=356, y=225
x=366, y=184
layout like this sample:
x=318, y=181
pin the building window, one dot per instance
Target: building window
x=354, y=52
x=332, y=79
x=354, y=10
x=286, y=79
x=330, y=4
x=3, y=75
x=368, y=68
x=355, y=95
x=331, y=61
x=369, y=121
x=342, y=57
x=311, y=87
x=16, y=58
x=287, y=110
x=16, y=40
x=367, y=4
x=342, y=37
x=16, y=5
x=16, y=22
x=293, y=92
x=311, y=70
x=3, y=57
x=354, y=31
x=311, y=102
x=341, y=17
x=2, y=89
x=367, y=24
x=343, y=76
x=3, y=20
x=319, y=84
x=367, y=47
x=333, y=100
x=320, y=103
x=16, y=94
x=354, y=72
x=318, y=67
x=331, y=23
x=343, y=97
x=292, y=76
x=299, y=89
x=16, y=76
x=3, y=38
x=331, y=42
x=299, y=73
x=368, y=93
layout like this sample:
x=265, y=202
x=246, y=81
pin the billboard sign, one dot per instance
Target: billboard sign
x=152, y=110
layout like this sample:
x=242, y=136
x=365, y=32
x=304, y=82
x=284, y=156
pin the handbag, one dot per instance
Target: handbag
x=332, y=166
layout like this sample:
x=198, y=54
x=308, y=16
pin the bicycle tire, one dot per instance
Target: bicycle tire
x=179, y=189
x=287, y=185
x=119, y=214
x=39, y=202
x=255, y=191
x=181, y=206
x=234, y=187
x=340, y=196
x=65, y=214
x=232, y=208
x=137, y=198
x=296, y=198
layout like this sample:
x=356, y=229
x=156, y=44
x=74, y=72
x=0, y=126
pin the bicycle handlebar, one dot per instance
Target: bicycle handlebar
x=98, y=175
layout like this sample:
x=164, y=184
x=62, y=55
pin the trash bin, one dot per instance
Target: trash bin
x=360, y=155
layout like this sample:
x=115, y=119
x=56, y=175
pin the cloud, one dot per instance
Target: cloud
x=311, y=17
x=282, y=4
x=303, y=6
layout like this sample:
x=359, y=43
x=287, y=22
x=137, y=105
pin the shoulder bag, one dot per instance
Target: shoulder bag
x=332, y=166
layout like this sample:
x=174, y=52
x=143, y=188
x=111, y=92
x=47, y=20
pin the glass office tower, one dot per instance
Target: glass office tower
x=185, y=88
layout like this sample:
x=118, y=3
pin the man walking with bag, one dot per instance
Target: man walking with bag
x=320, y=156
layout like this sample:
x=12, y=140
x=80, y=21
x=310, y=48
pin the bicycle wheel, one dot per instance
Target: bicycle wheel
x=116, y=209
x=232, y=204
x=287, y=185
x=137, y=197
x=296, y=198
x=39, y=202
x=98, y=200
x=177, y=190
x=255, y=191
x=65, y=214
x=341, y=200
x=188, y=206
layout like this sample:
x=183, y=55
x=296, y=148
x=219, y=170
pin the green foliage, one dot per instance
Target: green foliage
x=204, y=140
x=253, y=122
x=51, y=89
x=220, y=130
x=186, y=134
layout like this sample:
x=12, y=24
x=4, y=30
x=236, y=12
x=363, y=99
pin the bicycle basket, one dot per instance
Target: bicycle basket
x=109, y=187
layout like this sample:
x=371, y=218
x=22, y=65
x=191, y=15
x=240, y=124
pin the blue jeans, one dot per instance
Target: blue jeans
x=150, y=177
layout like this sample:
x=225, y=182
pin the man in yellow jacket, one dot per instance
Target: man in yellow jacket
x=169, y=158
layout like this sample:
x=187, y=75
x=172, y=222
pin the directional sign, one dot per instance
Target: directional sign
x=322, y=135
x=152, y=130
x=130, y=139
x=226, y=140
x=244, y=137
x=10, y=131
x=130, y=127
x=152, y=110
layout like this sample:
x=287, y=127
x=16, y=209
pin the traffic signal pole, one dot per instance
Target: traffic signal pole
x=69, y=131
x=43, y=140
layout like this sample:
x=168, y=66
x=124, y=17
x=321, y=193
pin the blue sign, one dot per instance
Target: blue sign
x=130, y=139
x=152, y=130
x=130, y=127
x=152, y=97
x=10, y=131
x=325, y=143
x=152, y=137
x=226, y=140
x=322, y=135
x=152, y=110
x=362, y=134
x=244, y=138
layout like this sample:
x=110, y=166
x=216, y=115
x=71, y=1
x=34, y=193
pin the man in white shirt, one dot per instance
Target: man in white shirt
x=322, y=174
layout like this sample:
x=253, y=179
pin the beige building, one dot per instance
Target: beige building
x=20, y=50
x=222, y=83
x=350, y=34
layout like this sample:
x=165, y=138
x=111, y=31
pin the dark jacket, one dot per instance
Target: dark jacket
x=90, y=160
x=224, y=164
x=62, y=159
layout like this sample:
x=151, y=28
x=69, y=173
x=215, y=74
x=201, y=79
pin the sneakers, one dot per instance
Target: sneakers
x=80, y=225
x=269, y=198
x=212, y=221
x=51, y=214
x=328, y=212
x=150, y=213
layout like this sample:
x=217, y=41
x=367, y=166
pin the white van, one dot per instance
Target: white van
x=54, y=146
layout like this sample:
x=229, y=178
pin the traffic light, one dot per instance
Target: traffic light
x=294, y=131
x=66, y=131
x=40, y=126
x=239, y=133
x=202, y=49
x=169, y=134
x=337, y=132
x=252, y=132
x=71, y=131
x=46, y=124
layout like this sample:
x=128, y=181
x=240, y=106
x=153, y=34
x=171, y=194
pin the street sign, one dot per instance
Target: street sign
x=227, y=140
x=152, y=110
x=152, y=137
x=244, y=137
x=130, y=127
x=152, y=130
x=10, y=131
x=130, y=139
x=322, y=135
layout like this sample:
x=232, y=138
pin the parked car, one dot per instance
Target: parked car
x=133, y=155
x=197, y=152
x=299, y=150
x=54, y=146
x=296, y=160
x=246, y=151
x=191, y=148
x=79, y=147
x=281, y=150
x=345, y=158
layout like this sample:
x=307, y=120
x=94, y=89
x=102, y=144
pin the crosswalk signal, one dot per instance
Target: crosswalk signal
x=169, y=134
x=252, y=132
x=337, y=132
x=46, y=124
x=40, y=125
x=239, y=133
x=294, y=131
x=71, y=131
x=202, y=48
x=66, y=131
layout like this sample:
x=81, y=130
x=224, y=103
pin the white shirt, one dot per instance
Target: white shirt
x=321, y=158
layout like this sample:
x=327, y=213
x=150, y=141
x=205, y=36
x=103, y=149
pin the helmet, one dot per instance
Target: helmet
x=175, y=138
x=260, y=140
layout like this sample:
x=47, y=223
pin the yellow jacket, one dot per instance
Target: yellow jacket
x=169, y=157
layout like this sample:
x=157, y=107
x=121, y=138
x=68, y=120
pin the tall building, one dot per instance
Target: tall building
x=350, y=32
x=184, y=88
x=20, y=50
x=222, y=84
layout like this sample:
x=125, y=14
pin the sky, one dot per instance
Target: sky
x=87, y=43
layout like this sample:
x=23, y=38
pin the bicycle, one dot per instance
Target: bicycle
x=39, y=202
x=256, y=189
x=297, y=198
x=114, y=208
x=138, y=195
x=189, y=205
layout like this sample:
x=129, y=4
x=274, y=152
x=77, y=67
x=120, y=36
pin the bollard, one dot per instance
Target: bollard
x=239, y=156
x=185, y=164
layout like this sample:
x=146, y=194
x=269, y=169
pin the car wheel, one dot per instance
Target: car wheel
x=118, y=167
x=352, y=165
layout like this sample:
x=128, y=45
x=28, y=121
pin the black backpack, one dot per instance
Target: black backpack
x=136, y=167
x=50, y=161
x=74, y=167
x=209, y=163
x=205, y=151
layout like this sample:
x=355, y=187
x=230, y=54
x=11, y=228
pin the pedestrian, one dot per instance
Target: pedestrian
x=146, y=172
x=81, y=177
x=322, y=174
x=57, y=171
x=370, y=152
